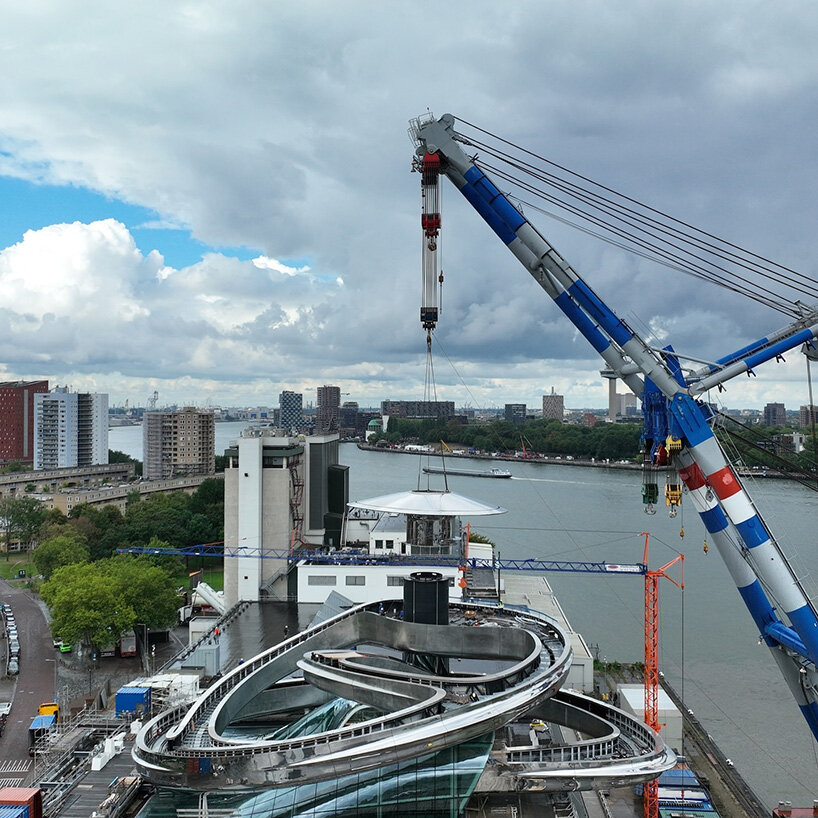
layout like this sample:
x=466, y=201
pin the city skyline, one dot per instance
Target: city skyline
x=254, y=216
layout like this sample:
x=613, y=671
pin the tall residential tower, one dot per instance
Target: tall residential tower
x=70, y=429
x=291, y=411
x=326, y=410
x=178, y=443
x=553, y=406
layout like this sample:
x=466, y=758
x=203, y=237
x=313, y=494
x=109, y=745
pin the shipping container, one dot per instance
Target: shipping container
x=14, y=811
x=31, y=797
x=135, y=700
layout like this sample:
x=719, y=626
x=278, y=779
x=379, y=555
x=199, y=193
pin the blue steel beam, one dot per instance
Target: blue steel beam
x=347, y=558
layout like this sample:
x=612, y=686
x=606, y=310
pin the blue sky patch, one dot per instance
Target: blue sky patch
x=28, y=206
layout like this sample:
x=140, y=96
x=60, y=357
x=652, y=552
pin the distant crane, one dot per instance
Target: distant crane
x=651, y=791
x=152, y=400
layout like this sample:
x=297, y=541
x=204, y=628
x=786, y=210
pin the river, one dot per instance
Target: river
x=708, y=645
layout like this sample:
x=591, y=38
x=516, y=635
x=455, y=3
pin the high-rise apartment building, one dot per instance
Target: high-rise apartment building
x=348, y=419
x=808, y=415
x=553, y=406
x=178, y=443
x=70, y=429
x=326, y=409
x=17, y=419
x=515, y=413
x=775, y=415
x=291, y=411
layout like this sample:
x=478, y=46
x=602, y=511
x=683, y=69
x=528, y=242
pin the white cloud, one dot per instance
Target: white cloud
x=283, y=128
x=264, y=263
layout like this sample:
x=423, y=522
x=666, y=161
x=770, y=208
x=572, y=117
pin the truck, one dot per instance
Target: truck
x=127, y=644
x=49, y=709
x=40, y=727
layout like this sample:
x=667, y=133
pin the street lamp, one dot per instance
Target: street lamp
x=143, y=648
x=55, y=678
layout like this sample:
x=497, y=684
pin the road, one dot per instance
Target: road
x=35, y=683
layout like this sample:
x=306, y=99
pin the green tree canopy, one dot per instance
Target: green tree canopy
x=21, y=518
x=146, y=588
x=63, y=549
x=95, y=603
x=86, y=604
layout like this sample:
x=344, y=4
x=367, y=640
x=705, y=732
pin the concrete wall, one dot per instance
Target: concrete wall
x=257, y=519
x=375, y=582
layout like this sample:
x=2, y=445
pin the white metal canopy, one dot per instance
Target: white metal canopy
x=429, y=504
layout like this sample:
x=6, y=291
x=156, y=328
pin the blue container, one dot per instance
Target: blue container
x=678, y=776
x=14, y=811
x=43, y=722
x=133, y=700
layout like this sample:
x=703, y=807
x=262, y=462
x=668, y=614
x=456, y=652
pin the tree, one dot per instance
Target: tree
x=146, y=588
x=86, y=604
x=95, y=603
x=64, y=549
x=115, y=456
x=21, y=518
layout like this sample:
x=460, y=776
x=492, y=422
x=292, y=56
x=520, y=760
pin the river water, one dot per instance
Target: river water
x=708, y=645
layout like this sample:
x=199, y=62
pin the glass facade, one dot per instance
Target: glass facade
x=434, y=786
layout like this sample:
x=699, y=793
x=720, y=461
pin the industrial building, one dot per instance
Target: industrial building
x=280, y=492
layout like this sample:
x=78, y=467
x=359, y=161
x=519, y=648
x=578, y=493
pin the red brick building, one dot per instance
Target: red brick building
x=17, y=419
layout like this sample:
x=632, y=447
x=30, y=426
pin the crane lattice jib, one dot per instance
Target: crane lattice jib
x=771, y=585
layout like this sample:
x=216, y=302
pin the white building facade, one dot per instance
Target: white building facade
x=70, y=429
x=277, y=496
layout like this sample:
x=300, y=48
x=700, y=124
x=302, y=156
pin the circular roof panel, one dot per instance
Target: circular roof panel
x=429, y=504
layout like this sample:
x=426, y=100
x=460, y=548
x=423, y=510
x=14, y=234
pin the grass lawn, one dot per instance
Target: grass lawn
x=214, y=577
x=15, y=563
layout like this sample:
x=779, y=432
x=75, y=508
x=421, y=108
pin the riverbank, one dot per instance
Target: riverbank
x=731, y=794
x=561, y=460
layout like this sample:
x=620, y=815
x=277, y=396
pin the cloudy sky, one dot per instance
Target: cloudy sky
x=214, y=200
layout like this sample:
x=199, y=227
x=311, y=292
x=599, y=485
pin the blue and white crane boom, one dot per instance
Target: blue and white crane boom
x=766, y=581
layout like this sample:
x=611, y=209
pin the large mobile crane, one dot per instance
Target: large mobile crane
x=678, y=421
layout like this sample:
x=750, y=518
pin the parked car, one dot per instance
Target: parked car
x=65, y=647
x=14, y=667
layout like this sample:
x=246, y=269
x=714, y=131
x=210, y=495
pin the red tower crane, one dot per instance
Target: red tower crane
x=651, y=789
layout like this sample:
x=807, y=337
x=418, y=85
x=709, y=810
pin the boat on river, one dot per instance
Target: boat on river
x=493, y=472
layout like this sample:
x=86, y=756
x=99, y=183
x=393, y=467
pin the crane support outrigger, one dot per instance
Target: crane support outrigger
x=763, y=575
